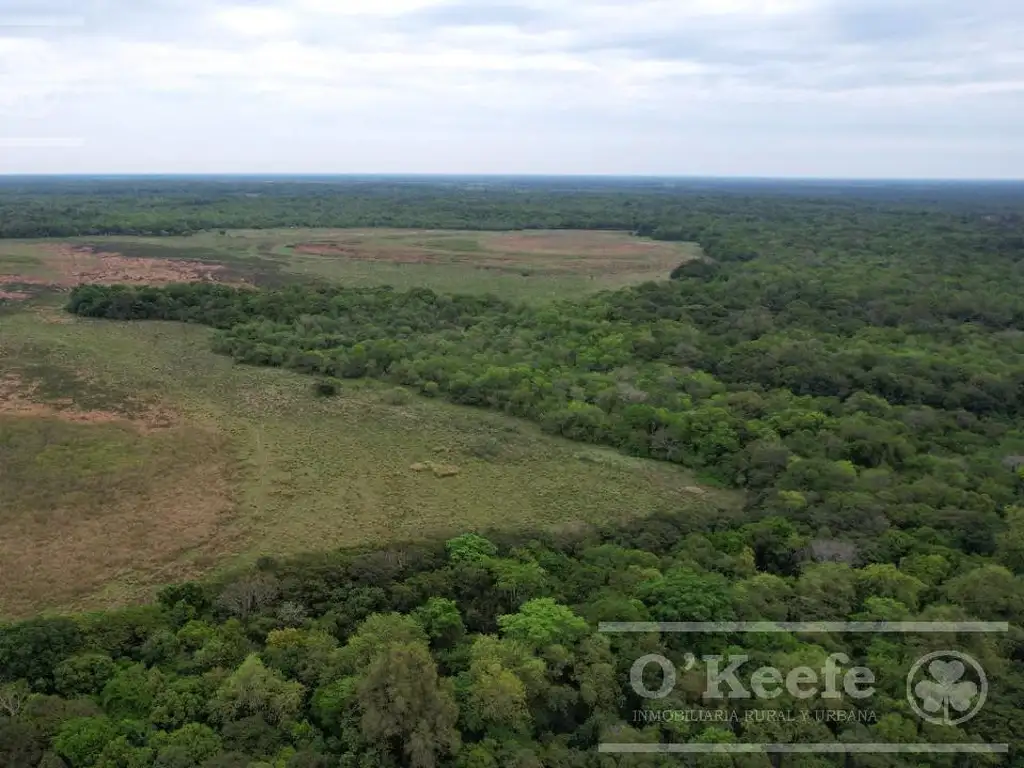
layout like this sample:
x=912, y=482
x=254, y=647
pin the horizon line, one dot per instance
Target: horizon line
x=455, y=175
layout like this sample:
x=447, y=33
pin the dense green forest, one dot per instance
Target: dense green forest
x=64, y=207
x=484, y=653
x=854, y=362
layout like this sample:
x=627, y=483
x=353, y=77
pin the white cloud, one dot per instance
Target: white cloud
x=846, y=87
x=256, y=21
x=380, y=8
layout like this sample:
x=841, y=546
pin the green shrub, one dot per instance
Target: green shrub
x=397, y=396
x=326, y=388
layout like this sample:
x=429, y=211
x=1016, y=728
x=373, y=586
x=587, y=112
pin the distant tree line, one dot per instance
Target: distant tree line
x=673, y=210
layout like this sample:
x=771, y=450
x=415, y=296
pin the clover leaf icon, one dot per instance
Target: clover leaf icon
x=944, y=693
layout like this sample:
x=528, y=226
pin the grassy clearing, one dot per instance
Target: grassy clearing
x=527, y=266
x=23, y=258
x=97, y=511
x=91, y=506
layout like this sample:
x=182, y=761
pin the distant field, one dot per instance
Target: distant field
x=133, y=456
x=532, y=265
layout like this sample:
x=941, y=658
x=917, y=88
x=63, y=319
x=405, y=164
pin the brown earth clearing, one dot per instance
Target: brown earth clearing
x=65, y=266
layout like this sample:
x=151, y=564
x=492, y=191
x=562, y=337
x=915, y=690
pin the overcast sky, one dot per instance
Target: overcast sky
x=836, y=88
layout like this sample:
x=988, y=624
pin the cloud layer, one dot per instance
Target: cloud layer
x=918, y=88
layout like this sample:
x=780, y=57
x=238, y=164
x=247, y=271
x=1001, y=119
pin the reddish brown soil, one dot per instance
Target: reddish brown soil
x=18, y=398
x=86, y=265
x=72, y=265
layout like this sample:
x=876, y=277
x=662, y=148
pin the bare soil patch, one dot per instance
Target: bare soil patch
x=69, y=266
x=18, y=398
x=87, y=265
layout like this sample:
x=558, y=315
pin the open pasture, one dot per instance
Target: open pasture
x=532, y=265
x=133, y=456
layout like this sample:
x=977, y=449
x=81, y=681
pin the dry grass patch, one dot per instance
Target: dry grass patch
x=19, y=398
x=525, y=266
x=98, y=504
x=439, y=470
x=83, y=264
x=583, y=243
x=522, y=266
x=52, y=315
x=87, y=265
x=571, y=252
x=60, y=265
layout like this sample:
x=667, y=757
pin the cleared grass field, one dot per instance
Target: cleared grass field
x=527, y=266
x=132, y=456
